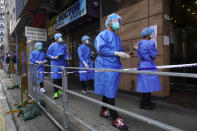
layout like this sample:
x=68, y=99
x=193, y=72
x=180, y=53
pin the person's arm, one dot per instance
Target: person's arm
x=50, y=52
x=32, y=58
x=66, y=56
x=102, y=47
x=80, y=54
x=153, y=51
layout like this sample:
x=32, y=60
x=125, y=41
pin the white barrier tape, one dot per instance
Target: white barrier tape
x=166, y=67
x=50, y=72
x=157, y=67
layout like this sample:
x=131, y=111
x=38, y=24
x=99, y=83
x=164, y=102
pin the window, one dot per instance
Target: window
x=1, y=39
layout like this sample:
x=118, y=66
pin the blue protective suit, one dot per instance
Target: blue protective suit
x=106, y=83
x=37, y=56
x=84, y=53
x=147, y=52
x=56, y=49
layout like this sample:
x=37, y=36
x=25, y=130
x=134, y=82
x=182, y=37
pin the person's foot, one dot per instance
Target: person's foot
x=60, y=92
x=105, y=114
x=42, y=90
x=146, y=107
x=84, y=91
x=55, y=96
x=118, y=123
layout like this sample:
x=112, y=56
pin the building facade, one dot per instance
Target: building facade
x=174, y=30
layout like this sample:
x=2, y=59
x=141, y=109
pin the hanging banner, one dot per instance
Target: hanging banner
x=72, y=13
x=35, y=34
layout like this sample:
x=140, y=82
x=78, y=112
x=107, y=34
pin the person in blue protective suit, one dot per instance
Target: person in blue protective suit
x=108, y=46
x=146, y=84
x=57, y=53
x=84, y=53
x=38, y=57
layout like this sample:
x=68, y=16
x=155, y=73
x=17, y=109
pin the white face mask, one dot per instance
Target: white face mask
x=87, y=42
x=60, y=40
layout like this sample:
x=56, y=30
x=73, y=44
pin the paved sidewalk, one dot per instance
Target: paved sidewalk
x=6, y=121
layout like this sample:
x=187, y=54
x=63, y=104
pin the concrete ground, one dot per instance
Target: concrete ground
x=86, y=114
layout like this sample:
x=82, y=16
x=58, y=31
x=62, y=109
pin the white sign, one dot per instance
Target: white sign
x=154, y=36
x=35, y=34
x=166, y=40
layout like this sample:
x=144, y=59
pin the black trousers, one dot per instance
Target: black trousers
x=57, y=82
x=86, y=84
x=110, y=101
x=146, y=99
x=41, y=84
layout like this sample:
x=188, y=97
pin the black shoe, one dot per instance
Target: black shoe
x=146, y=107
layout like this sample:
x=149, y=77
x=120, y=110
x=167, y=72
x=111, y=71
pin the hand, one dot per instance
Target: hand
x=45, y=61
x=85, y=64
x=55, y=57
x=42, y=62
x=122, y=54
x=38, y=62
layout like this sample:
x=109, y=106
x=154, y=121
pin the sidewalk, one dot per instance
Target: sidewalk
x=6, y=121
x=88, y=113
x=40, y=123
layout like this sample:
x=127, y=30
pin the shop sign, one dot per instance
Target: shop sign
x=72, y=13
x=35, y=34
x=166, y=40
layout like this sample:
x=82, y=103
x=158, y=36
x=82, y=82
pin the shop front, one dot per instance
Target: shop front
x=82, y=18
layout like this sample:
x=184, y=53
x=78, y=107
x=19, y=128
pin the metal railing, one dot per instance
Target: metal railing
x=66, y=92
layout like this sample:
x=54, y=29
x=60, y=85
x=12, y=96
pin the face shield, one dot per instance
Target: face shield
x=116, y=24
x=153, y=35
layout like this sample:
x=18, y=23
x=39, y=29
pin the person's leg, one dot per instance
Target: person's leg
x=143, y=99
x=117, y=122
x=84, y=86
x=113, y=113
x=145, y=102
x=41, y=84
x=59, y=83
x=104, y=112
x=90, y=84
x=55, y=82
x=42, y=87
x=104, y=99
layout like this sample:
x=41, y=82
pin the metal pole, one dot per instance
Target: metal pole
x=37, y=84
x=65, y=98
